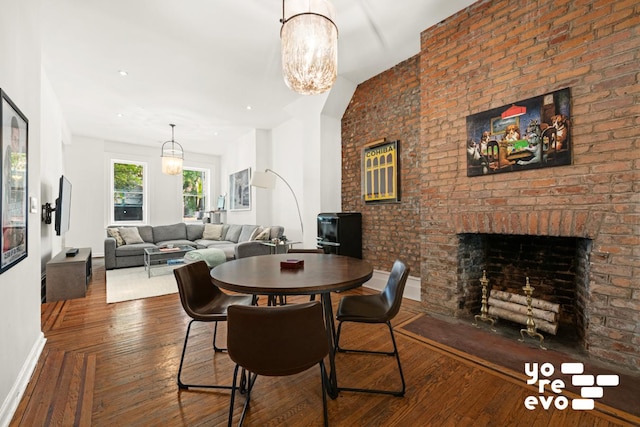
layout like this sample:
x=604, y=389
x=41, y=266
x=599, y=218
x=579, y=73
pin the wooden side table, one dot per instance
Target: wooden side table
x=68, y=277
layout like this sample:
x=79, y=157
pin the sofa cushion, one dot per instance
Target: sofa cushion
x=212, y=231
x=163, y=233
x=146, y=232
x=247, y=233
x=176, y=243
x=132, y=250
x=194, y=231
x=233, y=233
x=130, y=235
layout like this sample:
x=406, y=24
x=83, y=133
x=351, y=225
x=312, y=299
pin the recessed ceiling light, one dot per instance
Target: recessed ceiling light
x=120, y=115
x=123, y=73
x=248, y=107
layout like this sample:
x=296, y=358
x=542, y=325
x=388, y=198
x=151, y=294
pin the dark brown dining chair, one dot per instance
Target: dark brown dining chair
x=380, y=308
x=203, y=302
x=276, y=341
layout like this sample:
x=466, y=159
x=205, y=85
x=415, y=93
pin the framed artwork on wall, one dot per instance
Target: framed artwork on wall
x=381, y=172
x=240, y=190
x=530, y=134
x=14, y=142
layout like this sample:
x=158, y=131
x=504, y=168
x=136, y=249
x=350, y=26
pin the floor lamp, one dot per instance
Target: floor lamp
x=267, y=179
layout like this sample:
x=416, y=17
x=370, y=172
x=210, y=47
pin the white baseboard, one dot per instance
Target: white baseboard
x=12, y=401
x=379, y=280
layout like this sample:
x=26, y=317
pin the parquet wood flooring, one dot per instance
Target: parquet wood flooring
x=116, y=364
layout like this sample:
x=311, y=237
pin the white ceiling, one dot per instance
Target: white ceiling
x=200, y=63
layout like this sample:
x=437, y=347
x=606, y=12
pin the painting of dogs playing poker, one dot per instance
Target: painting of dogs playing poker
x=529, y=134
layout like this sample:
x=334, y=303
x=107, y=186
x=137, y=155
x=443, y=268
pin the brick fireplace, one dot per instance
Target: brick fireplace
x=557, y=268
x=490, y=55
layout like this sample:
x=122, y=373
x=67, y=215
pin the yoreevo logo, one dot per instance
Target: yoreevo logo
x=591, y=386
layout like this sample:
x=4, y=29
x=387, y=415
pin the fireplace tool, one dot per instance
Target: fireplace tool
x=531, y=324
x=484, y=311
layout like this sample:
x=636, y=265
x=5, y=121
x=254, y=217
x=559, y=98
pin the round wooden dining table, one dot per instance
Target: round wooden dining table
x=321, y=274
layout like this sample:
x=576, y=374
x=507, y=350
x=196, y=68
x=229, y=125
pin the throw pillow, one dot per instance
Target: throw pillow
x=212, y=231
x=264, y=234
x=130, y=235
x=257, y=231
x=113, y=232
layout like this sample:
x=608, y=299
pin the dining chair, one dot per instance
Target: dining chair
x=203, y=302
x=275, y=341
x=379, y=308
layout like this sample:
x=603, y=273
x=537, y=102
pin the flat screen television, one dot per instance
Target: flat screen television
x=63, y=206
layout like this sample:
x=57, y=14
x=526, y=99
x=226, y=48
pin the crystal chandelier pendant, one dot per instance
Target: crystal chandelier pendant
x=309, y=46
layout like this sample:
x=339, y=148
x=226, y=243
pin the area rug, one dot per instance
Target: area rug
x=500, y=351
x=125, y=284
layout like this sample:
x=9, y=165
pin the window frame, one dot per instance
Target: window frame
x=206, y=192
x=145, y=192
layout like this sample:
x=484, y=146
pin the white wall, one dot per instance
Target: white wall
x=241, y=155
x=54, y=136
x=21, y=340
x=88, y=167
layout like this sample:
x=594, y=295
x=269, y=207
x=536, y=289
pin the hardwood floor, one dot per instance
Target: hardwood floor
x=116, y=364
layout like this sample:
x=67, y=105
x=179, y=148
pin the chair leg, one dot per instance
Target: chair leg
x=250, y=382
x=182, y=385
x=323, y=376
x=273, y=300
x=233, y=395
x=215, y=333
x=395, y=353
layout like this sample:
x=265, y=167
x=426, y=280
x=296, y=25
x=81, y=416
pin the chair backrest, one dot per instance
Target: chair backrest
x=277, y=341
x=392, y=293
x=195, y=287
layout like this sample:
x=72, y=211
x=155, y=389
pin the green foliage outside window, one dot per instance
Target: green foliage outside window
x=193, y=193
x=128, y=191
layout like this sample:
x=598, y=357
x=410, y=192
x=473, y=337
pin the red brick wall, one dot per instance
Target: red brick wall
x=490, y=55
x=386, y=106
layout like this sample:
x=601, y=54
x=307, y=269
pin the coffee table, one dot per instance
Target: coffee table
x=161, y=257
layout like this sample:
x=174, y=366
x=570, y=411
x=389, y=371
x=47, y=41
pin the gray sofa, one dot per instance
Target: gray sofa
x=233, y=239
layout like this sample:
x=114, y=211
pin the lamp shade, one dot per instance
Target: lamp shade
x=309, y=45
x=172, y=156
x=514, y=111
x=171, y=165
x=263, y=180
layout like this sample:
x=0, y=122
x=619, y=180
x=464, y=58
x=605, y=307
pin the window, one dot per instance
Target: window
x=128, y=184
x=195, y=190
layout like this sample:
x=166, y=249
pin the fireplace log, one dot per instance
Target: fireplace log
x=542, y=325
x=522, y=300
x=546, y=315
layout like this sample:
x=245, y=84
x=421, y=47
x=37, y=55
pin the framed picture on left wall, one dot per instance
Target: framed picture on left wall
x=240, y=190
x=14, y=142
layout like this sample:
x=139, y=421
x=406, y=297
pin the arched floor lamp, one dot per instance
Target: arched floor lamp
x=267, y=179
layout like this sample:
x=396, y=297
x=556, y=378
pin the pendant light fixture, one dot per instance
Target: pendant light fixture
x=172, y=156
x=309, y=45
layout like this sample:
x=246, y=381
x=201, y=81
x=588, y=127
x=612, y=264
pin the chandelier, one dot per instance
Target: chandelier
x=309, y=45
x=172, y=156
